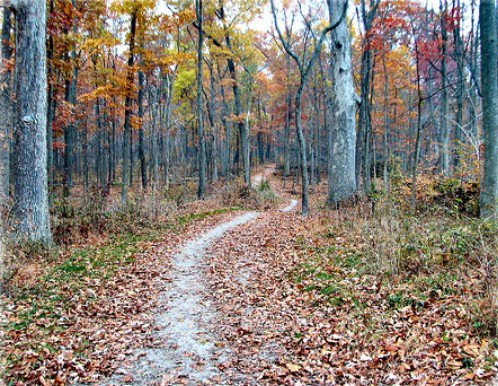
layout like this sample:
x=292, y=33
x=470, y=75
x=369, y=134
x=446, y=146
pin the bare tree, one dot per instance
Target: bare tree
x=304, y=65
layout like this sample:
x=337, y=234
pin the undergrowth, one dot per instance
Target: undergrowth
x=443, y=251
x=97, y=220
x=261, y=197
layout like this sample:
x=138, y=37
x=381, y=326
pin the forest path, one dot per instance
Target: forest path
x=258, y=178
x=189, y=352
x=292, y=205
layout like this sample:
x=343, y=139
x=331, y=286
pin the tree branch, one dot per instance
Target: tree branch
x=318, y=47
x=285, y=43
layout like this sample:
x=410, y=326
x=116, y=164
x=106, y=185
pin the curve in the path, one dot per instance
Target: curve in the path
x=260, y=177
x=189, y=351
x=189, y=348
x=291, y=206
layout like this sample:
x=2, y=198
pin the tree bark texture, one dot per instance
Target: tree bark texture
x=31, y=210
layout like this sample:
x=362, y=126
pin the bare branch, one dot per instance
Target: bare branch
x=302, y=69
x=285, y=43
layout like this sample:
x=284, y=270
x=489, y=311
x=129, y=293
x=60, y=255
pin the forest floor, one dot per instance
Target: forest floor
x=245, y=297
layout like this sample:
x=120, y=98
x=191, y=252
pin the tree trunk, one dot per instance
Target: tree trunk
x=364, y=122
x=459, y=59
x=112, y=153
x=287, y=127
x=418, y=137
x=489, y=90
x=86, y=166
x=141, y=140
x=342, y=134
x=387, y=149
x=228, y=132
x=315, y=144
x=170, y=80
x=5, y=108
x=51, y=109
x=155, y=99
x=201, y=191
x=363, y=156
x=302, y=151
x=445, y=129
x=127, y=148
x=132, y=155
x=244, y=147
x=99, y=146
x=69, y=130
x=30, y=136
x=369, y=133
x=416, y=154
x=214, y=127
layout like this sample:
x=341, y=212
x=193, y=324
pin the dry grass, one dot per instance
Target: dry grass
x=443, y=247
x=97, y=219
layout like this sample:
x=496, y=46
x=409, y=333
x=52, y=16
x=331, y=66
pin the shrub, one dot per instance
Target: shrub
x=239, y=194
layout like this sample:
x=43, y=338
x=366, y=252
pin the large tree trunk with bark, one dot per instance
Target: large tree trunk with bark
x=225, y=111
x=460, y=88
x=155, y=107
x=489, y=89
x=342, y=133
x=363, y=156
x=31, y=212
x=364, y=123
x=244, y=147
x=387, y=149
x=214, y=126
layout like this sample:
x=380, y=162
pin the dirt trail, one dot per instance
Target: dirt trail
x=260, y=177
x=189, y=353
x=189, y=349
x=292, y=205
